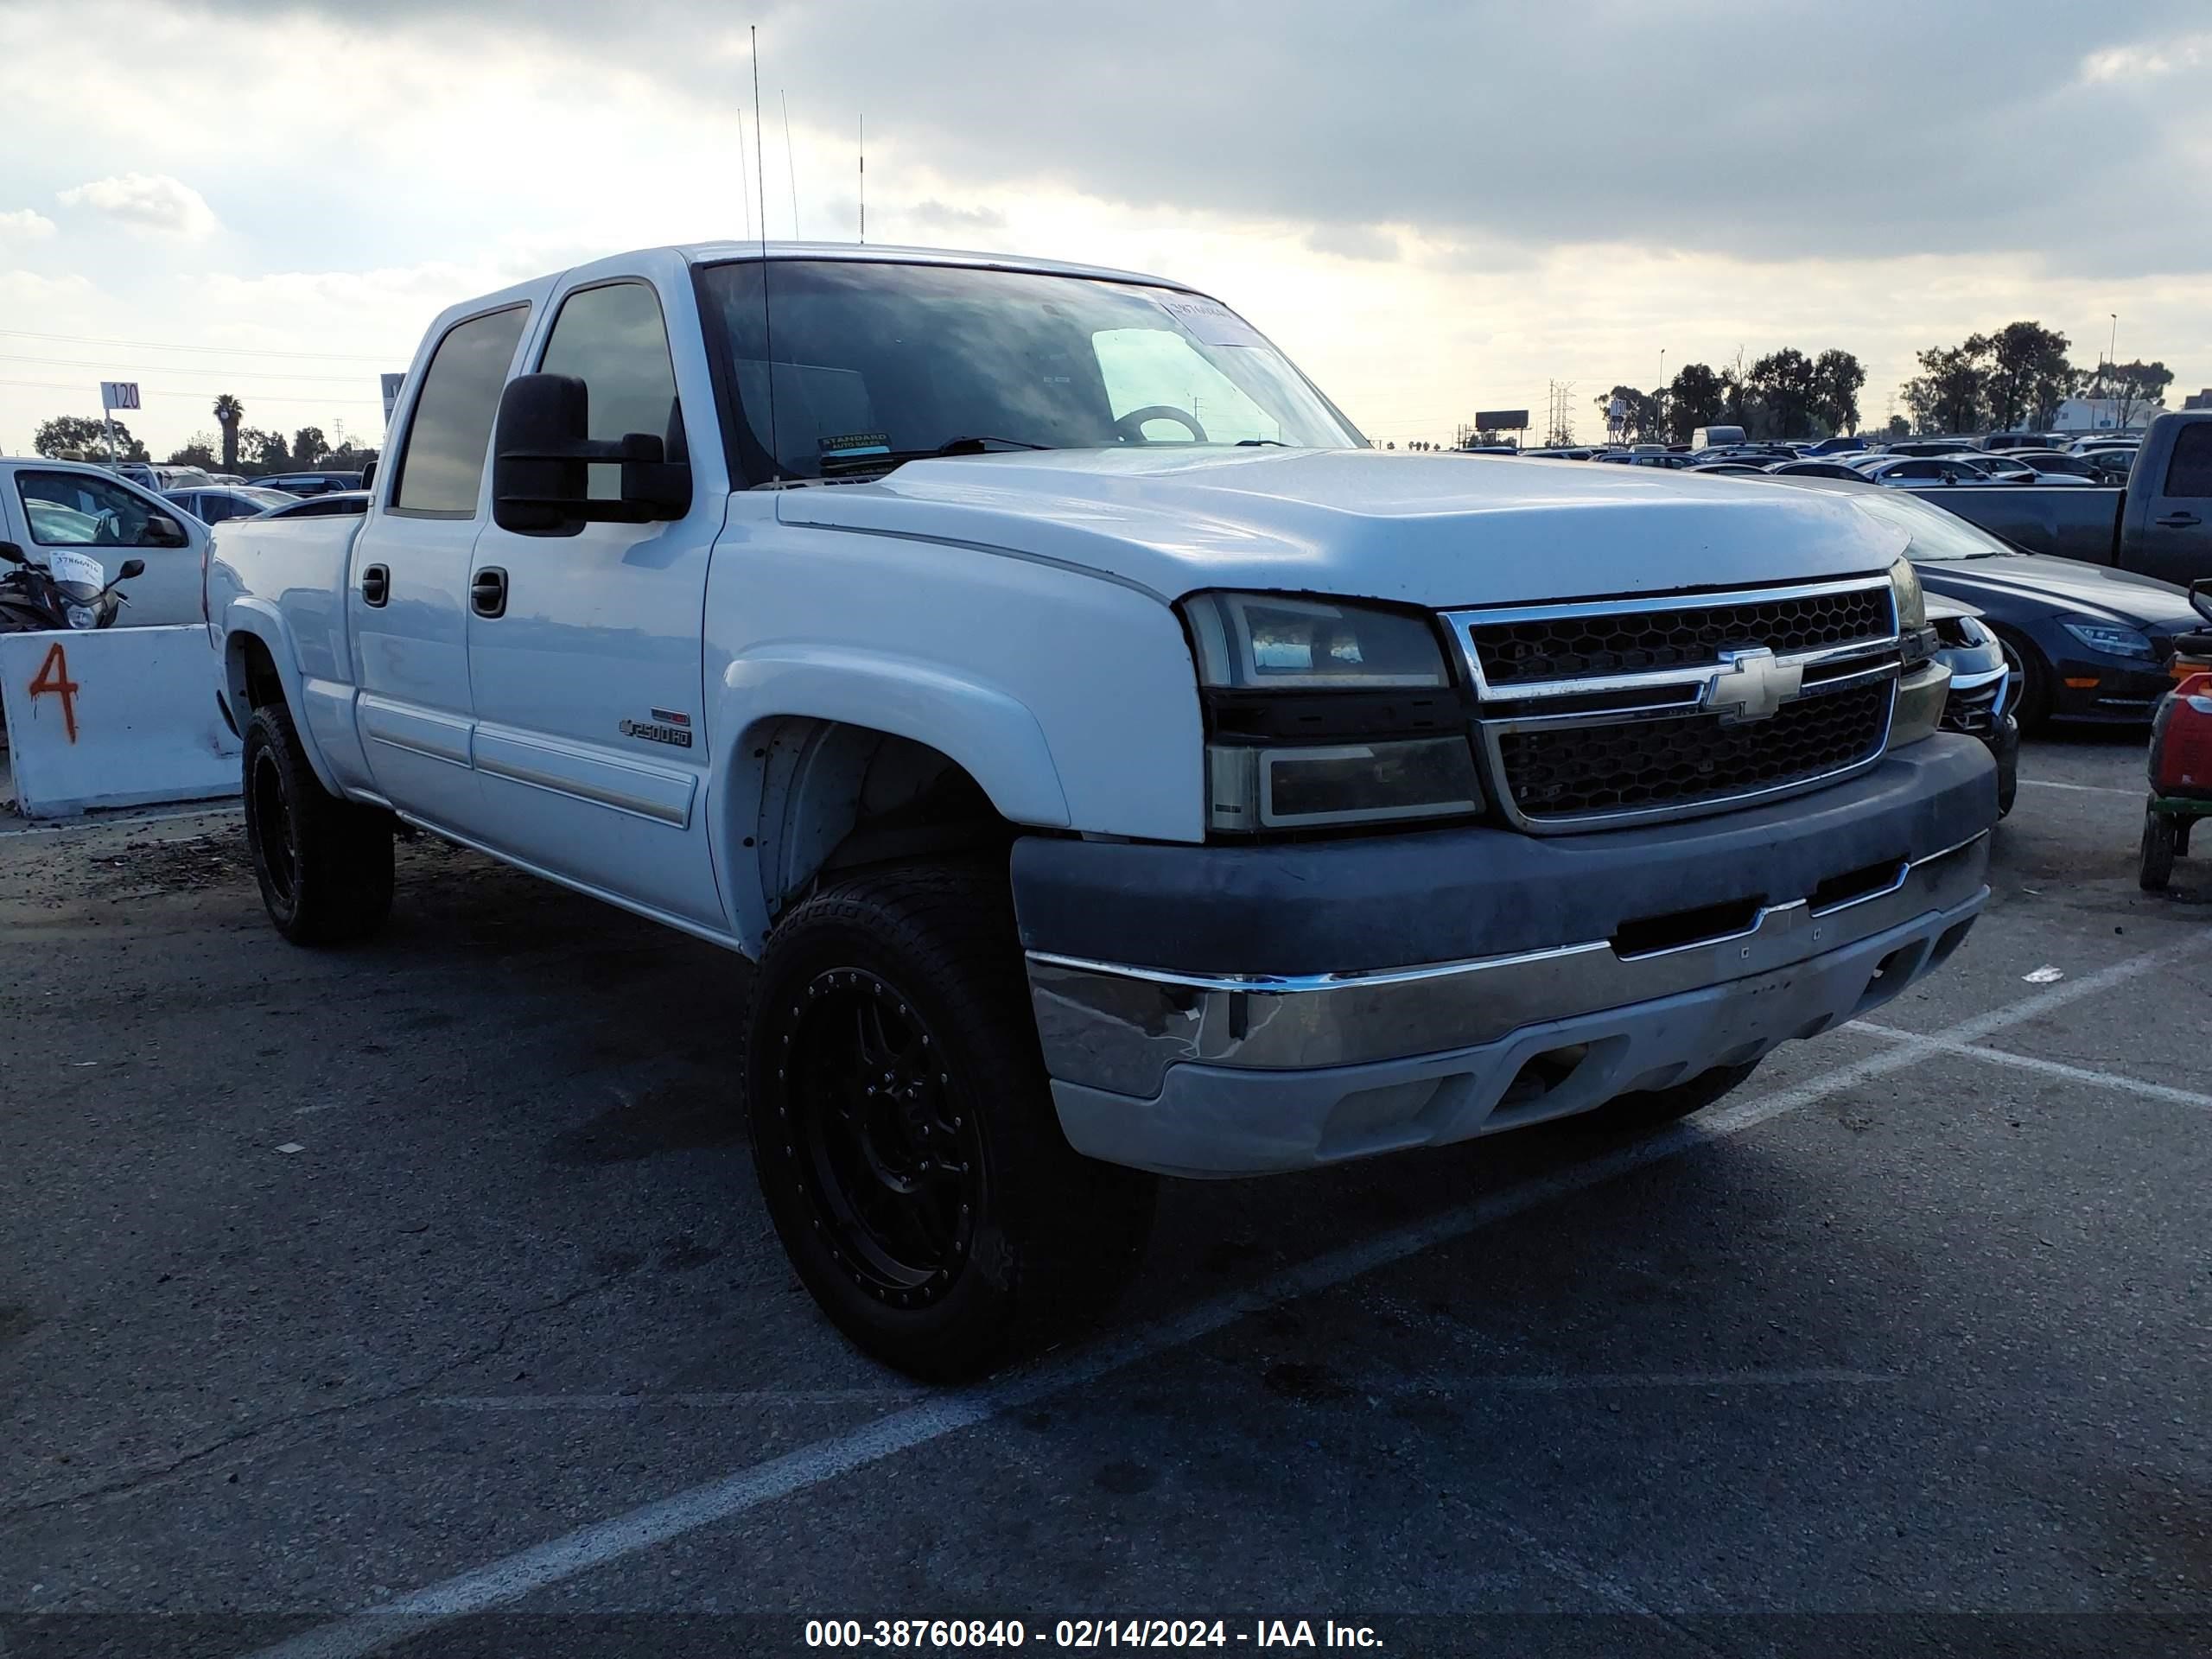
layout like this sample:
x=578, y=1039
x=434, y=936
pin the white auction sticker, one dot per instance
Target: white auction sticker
x=66, y=566
x=1214, y=323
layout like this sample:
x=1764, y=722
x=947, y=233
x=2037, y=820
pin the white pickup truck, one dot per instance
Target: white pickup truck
x=1112, y=764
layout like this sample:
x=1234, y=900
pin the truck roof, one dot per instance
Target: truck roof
x=706, y=253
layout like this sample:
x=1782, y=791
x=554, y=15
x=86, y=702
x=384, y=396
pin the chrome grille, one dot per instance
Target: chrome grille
x=1691, y=633
x=1571, y=771
x=1601, y=713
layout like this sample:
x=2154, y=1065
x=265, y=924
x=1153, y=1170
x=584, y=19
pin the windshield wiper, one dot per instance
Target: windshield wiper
x=882, y=460
x=1254, y=443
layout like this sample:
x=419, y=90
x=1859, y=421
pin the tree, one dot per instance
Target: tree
x=261, y=451
x=308, y=445
x=80, y=435
x=1896, y=427
x=1950, y=393
x=1641, y=411
x=2027, y=374
x=1837, y=377
x=1786, y=386
x=2136, y=387
x=199, y=453
x=229, y=411
x=1692, y=400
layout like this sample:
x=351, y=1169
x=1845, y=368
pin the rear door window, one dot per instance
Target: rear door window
x=442, y=466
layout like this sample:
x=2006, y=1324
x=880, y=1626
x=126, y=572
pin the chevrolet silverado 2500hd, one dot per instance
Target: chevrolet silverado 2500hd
x=1111, y=764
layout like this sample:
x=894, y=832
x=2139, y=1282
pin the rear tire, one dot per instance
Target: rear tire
x=324, y=864
x=1653, y=1109
x=904, y=1133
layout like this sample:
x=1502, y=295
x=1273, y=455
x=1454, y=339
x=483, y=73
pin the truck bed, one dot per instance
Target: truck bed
x=2073, y=524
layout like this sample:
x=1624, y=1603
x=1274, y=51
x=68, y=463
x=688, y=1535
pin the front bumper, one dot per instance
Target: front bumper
x=2119, y=690
x=1791, y=919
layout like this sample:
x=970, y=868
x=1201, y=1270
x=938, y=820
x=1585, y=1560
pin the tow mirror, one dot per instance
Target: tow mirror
x=11, y=553
x=542, y=457
x=130, y=568
x=368, y=474
x=2200, y=593
x=162, y=531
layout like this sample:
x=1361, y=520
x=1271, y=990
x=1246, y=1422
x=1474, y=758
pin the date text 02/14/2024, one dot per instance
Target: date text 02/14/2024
x=1085, y=1633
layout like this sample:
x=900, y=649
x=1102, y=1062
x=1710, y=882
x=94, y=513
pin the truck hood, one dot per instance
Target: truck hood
x=2063, y=585
x=1433, y=530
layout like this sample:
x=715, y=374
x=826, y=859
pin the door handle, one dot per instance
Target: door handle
x=487, y=592
x=376, y=585
x=2179, y=520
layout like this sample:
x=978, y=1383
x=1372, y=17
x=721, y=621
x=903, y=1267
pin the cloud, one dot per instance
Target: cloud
x=1373, y=242
x=934, y=215
x=24, y=225
x=2143, y=62
x=146, y=201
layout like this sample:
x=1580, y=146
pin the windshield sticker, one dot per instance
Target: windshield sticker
x=857, y=443
x=77, y=567
x=1214, y=323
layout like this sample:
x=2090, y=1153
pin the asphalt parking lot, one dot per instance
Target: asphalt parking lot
x=418, y=1298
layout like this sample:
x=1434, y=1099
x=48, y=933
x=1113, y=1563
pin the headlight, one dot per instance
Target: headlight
x=1321, y=713
x=1916, y=640
x=2110, y=639
x=82, y=616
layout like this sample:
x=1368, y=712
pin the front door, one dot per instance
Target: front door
x=408, y=576
x=584, y=649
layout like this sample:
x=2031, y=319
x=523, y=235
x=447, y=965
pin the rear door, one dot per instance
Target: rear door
x=2174, y=526
x=584, y=649
x=407, y=576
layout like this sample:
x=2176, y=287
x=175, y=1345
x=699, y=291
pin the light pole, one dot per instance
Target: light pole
x=1659, y=397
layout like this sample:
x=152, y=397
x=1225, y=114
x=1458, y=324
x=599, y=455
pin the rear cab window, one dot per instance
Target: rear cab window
x=2189, y=472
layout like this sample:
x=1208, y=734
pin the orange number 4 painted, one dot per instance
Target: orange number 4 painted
x=53, y=681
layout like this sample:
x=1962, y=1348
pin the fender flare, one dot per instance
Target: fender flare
x=979, y=727
x=265, y=622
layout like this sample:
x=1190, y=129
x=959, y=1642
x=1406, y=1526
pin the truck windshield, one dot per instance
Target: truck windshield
x=878, y=363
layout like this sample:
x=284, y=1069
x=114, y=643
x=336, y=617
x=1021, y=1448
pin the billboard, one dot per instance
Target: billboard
x=1500, y=420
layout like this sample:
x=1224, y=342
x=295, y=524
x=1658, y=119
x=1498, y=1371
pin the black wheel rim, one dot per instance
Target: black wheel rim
x=889, y=1161
x=272, y=829
x=2016, y=678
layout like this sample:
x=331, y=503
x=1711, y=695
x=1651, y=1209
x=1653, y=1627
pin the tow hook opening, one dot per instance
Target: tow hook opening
x=1651, y=935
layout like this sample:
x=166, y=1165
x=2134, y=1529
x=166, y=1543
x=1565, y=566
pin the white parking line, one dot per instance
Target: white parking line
x=2118, y=1080
x=2084, y=789
x=508, y=1579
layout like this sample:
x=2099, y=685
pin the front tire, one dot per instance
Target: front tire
x=904, y=1133
x=2032, y=708
x=2163, y=837
x=324, y=864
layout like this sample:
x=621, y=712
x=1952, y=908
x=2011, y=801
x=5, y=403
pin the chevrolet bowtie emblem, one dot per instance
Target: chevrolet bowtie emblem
x=1750, y=685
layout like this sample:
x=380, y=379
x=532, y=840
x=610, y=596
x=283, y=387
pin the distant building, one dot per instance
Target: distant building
x=2103, y=415
x=2198, y=399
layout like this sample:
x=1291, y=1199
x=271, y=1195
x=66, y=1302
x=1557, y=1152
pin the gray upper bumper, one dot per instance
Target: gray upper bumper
x=1633, y=959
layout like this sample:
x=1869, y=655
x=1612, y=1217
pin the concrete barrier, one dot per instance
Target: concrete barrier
x=114, y=717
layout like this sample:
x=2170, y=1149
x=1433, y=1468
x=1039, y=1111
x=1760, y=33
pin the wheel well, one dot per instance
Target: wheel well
x=835, y=797
x=255, y=683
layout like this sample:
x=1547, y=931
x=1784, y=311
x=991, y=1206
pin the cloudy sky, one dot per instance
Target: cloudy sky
x=1434, y=209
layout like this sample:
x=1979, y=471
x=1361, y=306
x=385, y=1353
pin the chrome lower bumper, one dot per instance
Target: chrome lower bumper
x=1120, y=1028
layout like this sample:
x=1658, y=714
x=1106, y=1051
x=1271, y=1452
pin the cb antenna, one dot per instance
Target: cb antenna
x=791, y=161
x=768, y=335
